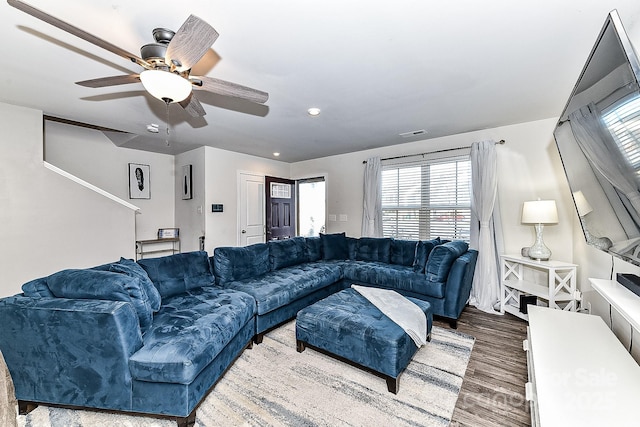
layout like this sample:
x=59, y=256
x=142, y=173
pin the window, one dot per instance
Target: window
x=427, y=199
x=311, y=206
x=623, y=121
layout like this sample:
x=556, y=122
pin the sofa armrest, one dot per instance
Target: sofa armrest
x=459, y=281
x=70, y=351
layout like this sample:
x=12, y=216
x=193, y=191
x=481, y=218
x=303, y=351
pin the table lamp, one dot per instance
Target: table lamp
x=539, y=212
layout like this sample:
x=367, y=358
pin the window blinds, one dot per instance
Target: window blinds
x=424, y=199
x=623, y=121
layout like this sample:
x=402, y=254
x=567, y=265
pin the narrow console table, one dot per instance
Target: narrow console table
x=579, y=372
x=519, y=276
x=162, y=245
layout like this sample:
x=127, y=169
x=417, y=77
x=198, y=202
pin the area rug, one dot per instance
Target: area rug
x=273, y=385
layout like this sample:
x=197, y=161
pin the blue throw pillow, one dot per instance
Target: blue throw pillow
x=334, y=246
x=403, y=252
x=232, y=263
x=288, y=252
x=442, y=258
x=423, y=250
x=102, y=285
x=133, y=269
x=178, y=273
x=314, y=248
x=37, y=288
x=374, y=249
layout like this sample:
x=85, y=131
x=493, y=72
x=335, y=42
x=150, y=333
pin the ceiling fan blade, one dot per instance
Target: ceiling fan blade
x=37, y=13
x=110, y=81
x=223, y=87
x=190, y=43
x=192, y=106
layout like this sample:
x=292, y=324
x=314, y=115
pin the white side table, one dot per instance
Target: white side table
x=518, y=277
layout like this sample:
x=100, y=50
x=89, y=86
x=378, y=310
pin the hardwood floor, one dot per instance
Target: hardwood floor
x=492, y=392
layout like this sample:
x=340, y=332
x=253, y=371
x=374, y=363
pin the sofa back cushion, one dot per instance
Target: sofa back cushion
x=102, y=285
x=374, y=249
x=231, y=263
x=133, y=269
x=441, y=259
x=334, y=246
x=403, y=252
x=288, y=252
x=423, y=250
x=314, y=248
x=178, y=273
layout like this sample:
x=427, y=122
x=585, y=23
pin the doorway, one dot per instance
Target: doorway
x=280, y=201
x=312, y=207
x=251, y=209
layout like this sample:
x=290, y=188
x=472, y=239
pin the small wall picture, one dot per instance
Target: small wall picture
x=187, y=192
x=139, y=181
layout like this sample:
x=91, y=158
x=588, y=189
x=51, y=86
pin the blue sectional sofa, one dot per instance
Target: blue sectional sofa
x=154, y=336
x=285, y=276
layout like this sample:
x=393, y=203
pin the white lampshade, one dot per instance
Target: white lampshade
x=165, y=86
x=540, y=212
x=582, y=204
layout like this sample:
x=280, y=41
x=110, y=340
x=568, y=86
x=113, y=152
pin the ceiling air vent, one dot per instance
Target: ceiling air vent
x=413, y=133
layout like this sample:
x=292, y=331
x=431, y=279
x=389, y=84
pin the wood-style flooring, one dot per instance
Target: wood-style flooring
x=492, y=391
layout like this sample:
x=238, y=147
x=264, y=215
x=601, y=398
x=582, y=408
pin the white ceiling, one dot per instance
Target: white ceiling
x=375, y=68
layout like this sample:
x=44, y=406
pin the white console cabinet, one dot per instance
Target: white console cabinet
x=579, y=372
x=552, y=281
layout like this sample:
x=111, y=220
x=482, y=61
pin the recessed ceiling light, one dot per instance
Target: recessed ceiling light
x=313, y=111
x=276, y=154
x=153, y=128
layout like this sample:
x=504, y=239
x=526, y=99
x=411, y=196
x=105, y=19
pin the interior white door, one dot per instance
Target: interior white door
x=251, y=222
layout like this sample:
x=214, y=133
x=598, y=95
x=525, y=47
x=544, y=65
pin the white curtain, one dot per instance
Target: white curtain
x=372, y=208
x=486, y=226
x=598, y=146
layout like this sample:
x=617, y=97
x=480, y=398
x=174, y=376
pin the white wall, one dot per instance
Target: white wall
x=190, y=214
x=221, y=186
x=48, y=222
x=91, y=156
x=528, y=167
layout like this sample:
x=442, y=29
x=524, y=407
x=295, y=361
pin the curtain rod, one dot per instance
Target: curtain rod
x=502, y=141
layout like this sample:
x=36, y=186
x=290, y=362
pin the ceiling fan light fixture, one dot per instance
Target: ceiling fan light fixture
x=165, y=86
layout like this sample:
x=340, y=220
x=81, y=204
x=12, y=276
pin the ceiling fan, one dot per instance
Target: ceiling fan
x=167, y=62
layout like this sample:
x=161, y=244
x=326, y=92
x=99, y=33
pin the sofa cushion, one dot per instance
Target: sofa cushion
x=188, y=332
x=423, y=250
x=37, y=288
x=374, y=249
x=102, y=285
x=403, y=252
x=133, y=269
x=352, y=247
x=177, y=273
x=442, y=257
x=288, y=252
x=392, y=276
x=314, y=248
x=237, y=263
x=282, y=287
x=334, y=246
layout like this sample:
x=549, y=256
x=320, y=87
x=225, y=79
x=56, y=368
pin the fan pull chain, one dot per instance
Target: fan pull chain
x=167, y=102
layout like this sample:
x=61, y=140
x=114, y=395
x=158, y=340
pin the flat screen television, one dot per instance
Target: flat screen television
x=598, y=137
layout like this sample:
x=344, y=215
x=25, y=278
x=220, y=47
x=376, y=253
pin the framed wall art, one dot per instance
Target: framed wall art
x=139, y=181
x=187, y=191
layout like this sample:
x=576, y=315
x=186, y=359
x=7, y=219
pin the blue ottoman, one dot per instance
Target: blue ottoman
x=347, y=325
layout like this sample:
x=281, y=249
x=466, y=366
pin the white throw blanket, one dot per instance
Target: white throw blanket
x=399, y=309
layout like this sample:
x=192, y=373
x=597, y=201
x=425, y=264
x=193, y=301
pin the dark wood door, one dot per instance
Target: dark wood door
x=280, y=207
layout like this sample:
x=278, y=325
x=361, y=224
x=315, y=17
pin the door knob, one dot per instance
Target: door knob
x=244, y=231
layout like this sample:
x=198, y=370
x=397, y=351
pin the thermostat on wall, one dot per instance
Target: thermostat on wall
x=217, y=207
